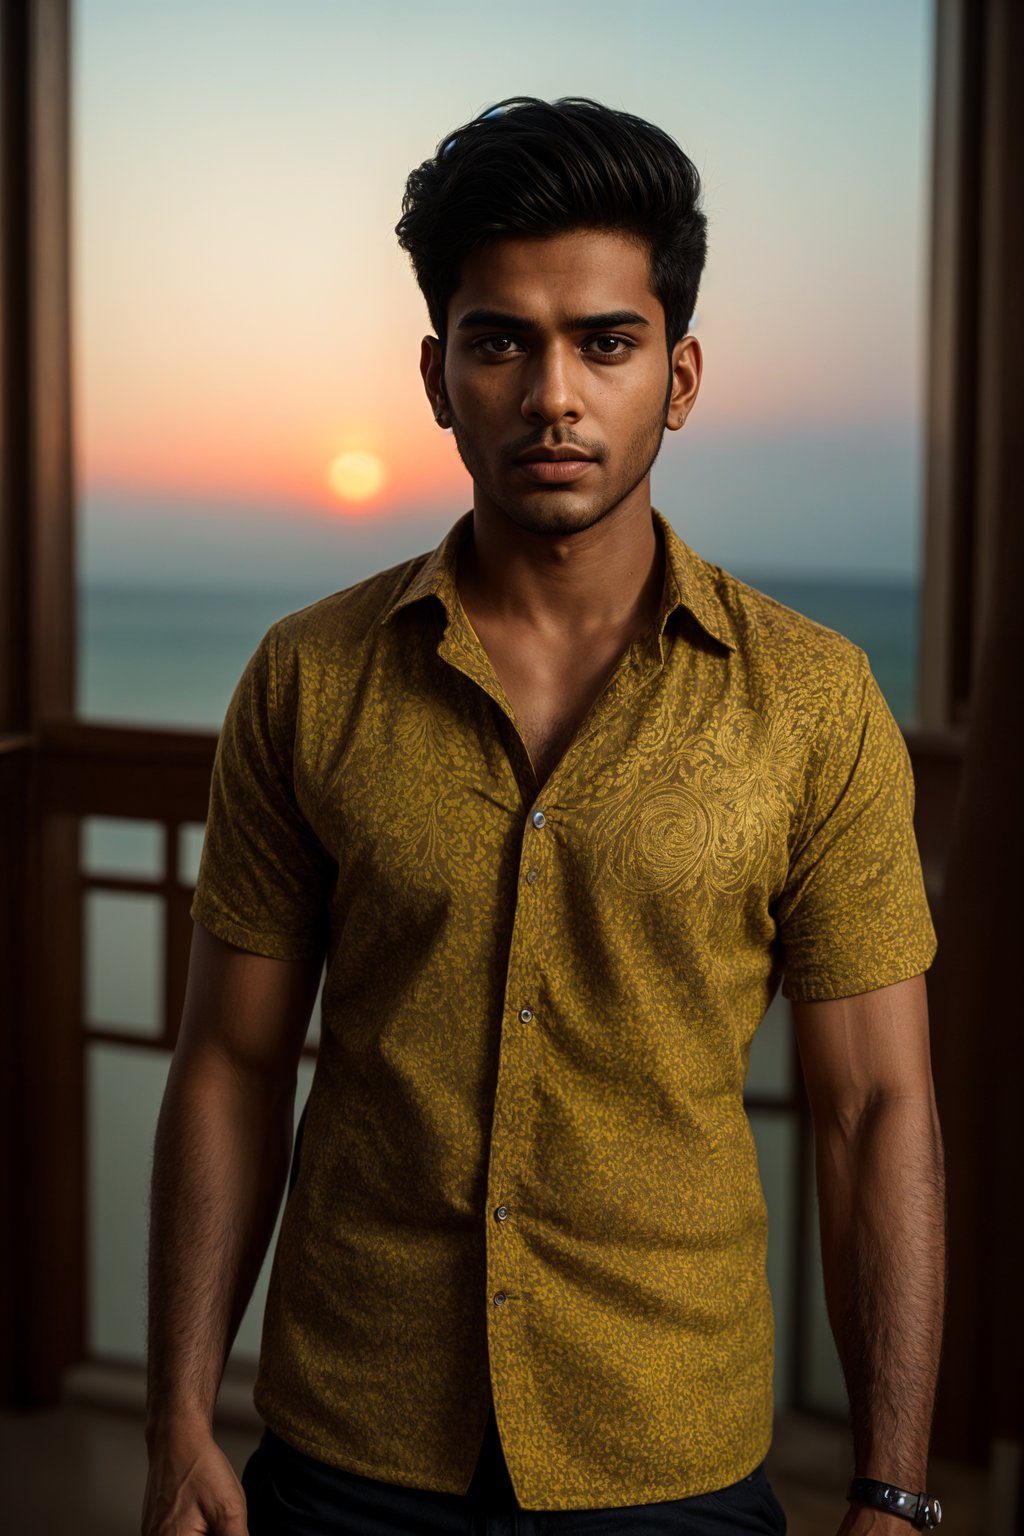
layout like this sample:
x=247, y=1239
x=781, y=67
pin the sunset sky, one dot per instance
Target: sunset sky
x=248, y=402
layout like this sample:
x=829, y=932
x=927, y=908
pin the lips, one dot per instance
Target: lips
x=554, y=466
x=554, y=471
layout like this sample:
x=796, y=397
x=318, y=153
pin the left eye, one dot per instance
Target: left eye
x=504, y=346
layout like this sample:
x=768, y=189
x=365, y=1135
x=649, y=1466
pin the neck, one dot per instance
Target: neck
x=607, y=578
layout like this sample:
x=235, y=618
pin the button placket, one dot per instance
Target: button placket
x=514, y=1069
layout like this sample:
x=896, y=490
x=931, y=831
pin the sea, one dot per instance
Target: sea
x=170, y=656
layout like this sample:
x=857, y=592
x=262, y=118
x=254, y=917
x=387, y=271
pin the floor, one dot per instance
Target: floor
x=80, y=1467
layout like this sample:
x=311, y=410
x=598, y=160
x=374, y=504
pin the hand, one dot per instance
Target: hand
x=192, y=1489
x=861, y=1519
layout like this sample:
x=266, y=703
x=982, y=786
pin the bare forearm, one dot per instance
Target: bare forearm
x=882, y=1203
x=220, y=1163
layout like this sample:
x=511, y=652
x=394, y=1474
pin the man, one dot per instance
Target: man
x=561, y=805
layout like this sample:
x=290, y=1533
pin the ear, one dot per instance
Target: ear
x=431, y=371
x=687, y=363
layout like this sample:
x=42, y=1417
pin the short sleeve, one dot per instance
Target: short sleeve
x=853, y=914
x=265, y=879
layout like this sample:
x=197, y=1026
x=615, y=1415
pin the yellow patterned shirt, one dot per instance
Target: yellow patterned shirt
x=527, y=1169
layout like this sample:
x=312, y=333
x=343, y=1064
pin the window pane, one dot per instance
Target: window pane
x=245, y=318
x=114, y=845
x=125, y=1087
x=124, y=962
x=190, y=847
x=769, y=1072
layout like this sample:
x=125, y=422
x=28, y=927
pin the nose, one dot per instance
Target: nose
x=554, y=386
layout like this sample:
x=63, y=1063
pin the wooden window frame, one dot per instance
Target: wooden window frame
x=47, y=757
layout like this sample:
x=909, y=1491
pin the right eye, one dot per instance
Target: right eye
x=501, y=345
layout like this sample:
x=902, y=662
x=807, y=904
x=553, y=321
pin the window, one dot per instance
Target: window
x=247, y=327
x=252, y=432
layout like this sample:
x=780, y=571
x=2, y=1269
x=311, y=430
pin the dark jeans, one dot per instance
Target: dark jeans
x=292, y=1494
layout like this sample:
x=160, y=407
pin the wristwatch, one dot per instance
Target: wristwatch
x=922, y=1511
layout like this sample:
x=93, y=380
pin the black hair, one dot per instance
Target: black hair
x=532, y=167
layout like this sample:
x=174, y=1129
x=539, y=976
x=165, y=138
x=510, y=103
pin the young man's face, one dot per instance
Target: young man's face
x=559, y=344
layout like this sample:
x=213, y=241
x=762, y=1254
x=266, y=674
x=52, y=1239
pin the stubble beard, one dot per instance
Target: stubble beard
x=546, y=514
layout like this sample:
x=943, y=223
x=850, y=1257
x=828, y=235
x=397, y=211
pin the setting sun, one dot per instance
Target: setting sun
x=356, y=475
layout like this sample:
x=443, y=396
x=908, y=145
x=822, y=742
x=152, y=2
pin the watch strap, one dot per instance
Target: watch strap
x=922, y=1511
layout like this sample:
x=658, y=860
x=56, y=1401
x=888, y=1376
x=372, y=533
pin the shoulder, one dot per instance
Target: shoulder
x=309, y=664
x=338, y=630
x=782, y=649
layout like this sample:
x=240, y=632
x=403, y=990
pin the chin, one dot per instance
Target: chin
x=556, y=514
x=559, y=519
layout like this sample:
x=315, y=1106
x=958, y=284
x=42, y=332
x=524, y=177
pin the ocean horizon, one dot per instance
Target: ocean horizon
x=171, y=655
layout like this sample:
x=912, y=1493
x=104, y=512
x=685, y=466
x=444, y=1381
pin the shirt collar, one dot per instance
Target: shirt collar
x=436, y=576
x=689, y=583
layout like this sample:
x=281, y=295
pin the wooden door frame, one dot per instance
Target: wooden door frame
x=41, y=1198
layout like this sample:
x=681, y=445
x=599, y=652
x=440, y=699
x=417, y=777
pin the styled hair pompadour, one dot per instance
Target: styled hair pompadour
x=532, y=167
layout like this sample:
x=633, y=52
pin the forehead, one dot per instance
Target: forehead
x=541, y=277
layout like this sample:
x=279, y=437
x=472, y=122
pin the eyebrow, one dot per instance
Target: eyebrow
x=608, y=321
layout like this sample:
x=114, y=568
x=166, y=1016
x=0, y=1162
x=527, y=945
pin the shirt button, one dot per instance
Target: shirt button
x=532, y=875
x=502, y=1213
x=526, y=1014
x=499, y=1298
x=539, y=818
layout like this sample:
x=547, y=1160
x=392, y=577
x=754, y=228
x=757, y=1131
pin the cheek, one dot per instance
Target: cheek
x=478, y=393
x=634, y=416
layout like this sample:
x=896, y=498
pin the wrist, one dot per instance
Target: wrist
x=177, y=1421
x=906, y=1468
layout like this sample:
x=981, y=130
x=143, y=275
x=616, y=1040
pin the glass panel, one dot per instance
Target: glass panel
x=125, y=1088
x=775, y=1135
x=190, y=847
x=823, y=1386
x=214, y=499
x=115, y=845
x=124, y=962
x=769, y=1072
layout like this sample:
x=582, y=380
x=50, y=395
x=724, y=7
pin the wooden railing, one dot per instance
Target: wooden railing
x=162, y=776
